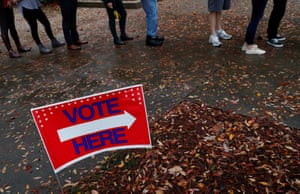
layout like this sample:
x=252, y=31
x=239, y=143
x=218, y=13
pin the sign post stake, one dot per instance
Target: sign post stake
x=59, y=183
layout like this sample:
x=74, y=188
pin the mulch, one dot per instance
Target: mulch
x=201, y=149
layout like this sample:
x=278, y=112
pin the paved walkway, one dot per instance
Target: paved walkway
x=185, y=67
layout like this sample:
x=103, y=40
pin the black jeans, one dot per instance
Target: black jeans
x=69, y=10
x=275, y=18
x=7, y=23
x=32, y=15
x=258, y=9
x=119, y=7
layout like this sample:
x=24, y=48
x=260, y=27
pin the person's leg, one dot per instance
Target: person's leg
x=214, y=8
x=212, y=18
x=112, y=24
x=30, y=17
x=122, y=21
x=219, y=30
x=5, y=17
x=74, y=32
x=66, y=12
x=4, y=28
x=220, y=6
x=150, y=8
x=14, y=33
x=41, y=17
x=258, y=8
x=123, y=16
x=151, y=11
x=277, y=14
x=12, y=29
x=218, y=21
x=213, y=38
x=66, y=19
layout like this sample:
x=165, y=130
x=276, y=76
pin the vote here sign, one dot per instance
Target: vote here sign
x=76, y=129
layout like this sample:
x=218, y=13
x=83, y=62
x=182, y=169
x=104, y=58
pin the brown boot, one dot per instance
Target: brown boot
x=13, y=54
x=74, y=47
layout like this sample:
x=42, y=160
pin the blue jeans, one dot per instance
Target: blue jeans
x=258, y=9
x=150, y=8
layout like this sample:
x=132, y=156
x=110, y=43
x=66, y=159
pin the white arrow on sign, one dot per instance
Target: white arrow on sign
x=125, y=119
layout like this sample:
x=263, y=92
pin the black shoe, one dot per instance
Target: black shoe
x=154, y=41
x=44, y=50
x=160, y=38
x=119, y=42
x=56, y=43
x=125, y=38
x=275, y=43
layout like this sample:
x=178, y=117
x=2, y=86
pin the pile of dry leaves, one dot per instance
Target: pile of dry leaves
x=199, y=149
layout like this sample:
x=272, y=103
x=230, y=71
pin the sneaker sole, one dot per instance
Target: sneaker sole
x=275, y=45
x=281, y=39
x=225, y=38
x=214, y=45
x=254, y=53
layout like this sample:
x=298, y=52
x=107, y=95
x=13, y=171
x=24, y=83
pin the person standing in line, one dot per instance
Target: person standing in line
x=258, y=9
x=278, y=11
x=215, y=9
x=31, y=10
x=151, y=10
x=69, y=24
x=115, y=8
x=7, y=23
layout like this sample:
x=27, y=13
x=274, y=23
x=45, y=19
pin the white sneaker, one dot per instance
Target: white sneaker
x=214, y=40
x=222, y=34
x=245, y=46
x=254, y=50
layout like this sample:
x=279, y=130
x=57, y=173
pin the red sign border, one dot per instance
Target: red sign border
x=60, y=168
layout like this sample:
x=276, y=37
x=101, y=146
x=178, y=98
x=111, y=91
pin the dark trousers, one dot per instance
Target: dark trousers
x=32, y=15
x=69, y=12
x=258, y=9
x=7, y=23
x=275, y=18
x=119, y=7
